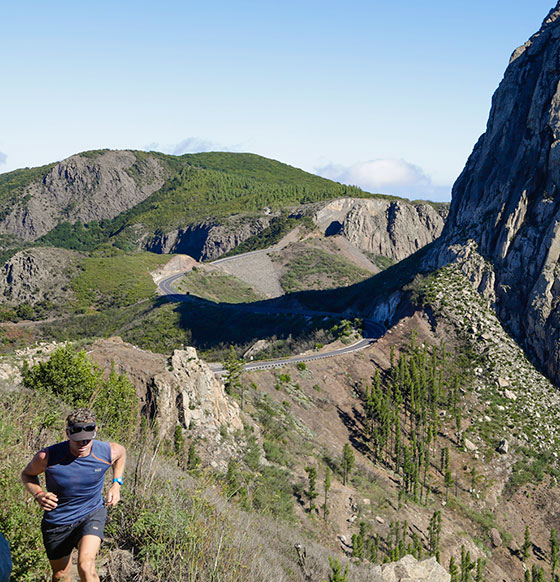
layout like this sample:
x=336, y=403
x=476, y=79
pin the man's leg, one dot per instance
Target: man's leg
x=88, y=547
x=61, y=569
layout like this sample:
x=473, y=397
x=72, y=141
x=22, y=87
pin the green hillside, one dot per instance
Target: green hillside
x=205, y=187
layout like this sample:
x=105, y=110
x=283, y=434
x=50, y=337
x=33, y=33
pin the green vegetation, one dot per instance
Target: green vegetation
x=169, y=523
x=314, y=268
x=204, y=187
x=71, y=376
x=217, y=287
x=383, y=262
x=115, y=281
x=13, y=185
x=278, y=228
x=402, y=412
x=363, y=296
x=161, y=326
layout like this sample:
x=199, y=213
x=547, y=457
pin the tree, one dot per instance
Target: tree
x=466, y=565
x=448, y=478
x=553, y=552
x=537, y=574
x=326, y=489
x=67, y=373
x=453, y=570
x=116, y=405
x=434, y=533
x=311, y=491
x=73, y=377
x=347, y=462
x=233, y=367
x=527, y=544
x=480, y=565
x=193, y=460
x=337, y=575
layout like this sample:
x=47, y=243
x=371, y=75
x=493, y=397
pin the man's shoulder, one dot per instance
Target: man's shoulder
x=57, y=452
x=102, y=449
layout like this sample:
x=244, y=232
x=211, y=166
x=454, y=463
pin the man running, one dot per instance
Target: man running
x=74, y=509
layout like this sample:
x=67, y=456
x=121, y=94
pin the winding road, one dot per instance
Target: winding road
x=372, y=330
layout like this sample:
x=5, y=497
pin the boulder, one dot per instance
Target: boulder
x=495, y=538
x=503, y=447
x=409, y=569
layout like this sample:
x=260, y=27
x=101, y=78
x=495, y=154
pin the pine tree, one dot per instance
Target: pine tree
x=466, y=565
x=311, y=492
x=434, y=534
x=453, y=570
x=193, y=460
x=527, y=544
x=553, y=552
x=448, y=478
x=233, y=367
x=336, y=574
x=480, y=564
x=326, y=489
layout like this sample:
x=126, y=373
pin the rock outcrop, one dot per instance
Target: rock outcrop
x=37, y=274
x=83, y=188
x=209, y=240
x=506, y=202
x=393, y=229
x=409, y=569
x=178, y=391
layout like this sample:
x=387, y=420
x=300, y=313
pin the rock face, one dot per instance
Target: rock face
x=506, y=202
x=83, y=188
x=37, y=274
x=178, y=391
x=393, y=229
x=207, y=241
x=408, y=569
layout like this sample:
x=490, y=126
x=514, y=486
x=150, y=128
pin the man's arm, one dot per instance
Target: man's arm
x=30, y=479
x=118, y=460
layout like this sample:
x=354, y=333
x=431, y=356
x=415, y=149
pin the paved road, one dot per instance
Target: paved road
x=372, y=329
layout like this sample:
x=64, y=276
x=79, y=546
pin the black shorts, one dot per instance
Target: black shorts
x=60, y=540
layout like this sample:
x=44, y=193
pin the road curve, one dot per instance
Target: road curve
x=372, y=329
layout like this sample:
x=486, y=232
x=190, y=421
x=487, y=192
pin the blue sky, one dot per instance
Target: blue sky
x=390, y=96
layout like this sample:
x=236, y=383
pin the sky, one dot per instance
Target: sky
x=389, y=96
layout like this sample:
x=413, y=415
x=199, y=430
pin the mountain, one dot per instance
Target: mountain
x=504, y=218
x=200, y=204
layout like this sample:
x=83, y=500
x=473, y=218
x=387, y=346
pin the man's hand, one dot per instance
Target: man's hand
x=47, y=500
x=113, y=495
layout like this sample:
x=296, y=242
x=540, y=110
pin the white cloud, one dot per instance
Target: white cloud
x=3, y=158
x=190, y=145
x=387, y=176
x=193, y=145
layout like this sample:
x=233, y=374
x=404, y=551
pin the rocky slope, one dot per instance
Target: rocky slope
x=178, y=391
x=392, y=229
x=507, y=199
x=36, y=275
x=207, y=240
x=83, y=188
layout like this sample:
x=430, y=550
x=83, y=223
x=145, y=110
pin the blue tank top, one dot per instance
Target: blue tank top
x=76, y=481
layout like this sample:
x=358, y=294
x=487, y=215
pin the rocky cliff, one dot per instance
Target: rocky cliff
x=38, y=274
x=179, y=391
x=84, y=187
x=208, y=240
x=506, y=202
x=393, y=229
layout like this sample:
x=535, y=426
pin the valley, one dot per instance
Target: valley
x=314, y=382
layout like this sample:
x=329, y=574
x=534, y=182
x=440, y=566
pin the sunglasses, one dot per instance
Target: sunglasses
x=75, y=428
